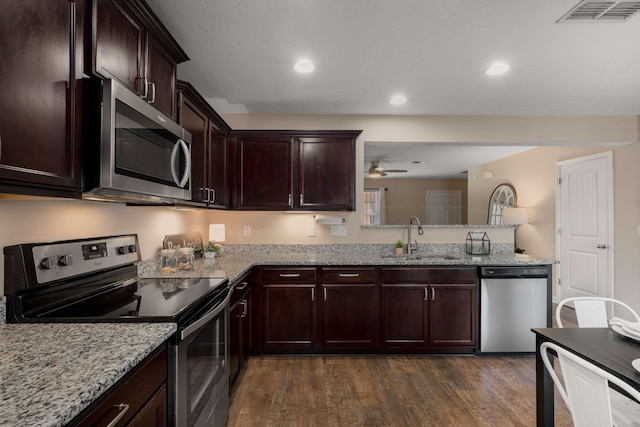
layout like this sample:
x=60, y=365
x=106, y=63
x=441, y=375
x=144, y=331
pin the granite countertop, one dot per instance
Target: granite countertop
x=50, y=372
x=234, y=265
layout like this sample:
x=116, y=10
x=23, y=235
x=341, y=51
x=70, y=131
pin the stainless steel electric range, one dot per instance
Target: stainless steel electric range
x=95, y=280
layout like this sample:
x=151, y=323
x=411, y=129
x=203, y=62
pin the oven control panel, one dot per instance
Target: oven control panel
x=57, y=261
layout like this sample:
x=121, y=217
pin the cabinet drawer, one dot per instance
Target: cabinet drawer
x=348, y=275
x=134, y=392
x=429, y=275
x=289, y=275
x=243, y=286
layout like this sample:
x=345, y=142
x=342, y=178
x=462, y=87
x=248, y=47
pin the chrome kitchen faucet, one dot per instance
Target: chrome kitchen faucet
x=410, y=246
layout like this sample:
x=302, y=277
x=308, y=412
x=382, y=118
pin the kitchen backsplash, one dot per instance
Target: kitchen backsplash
x=358, y=248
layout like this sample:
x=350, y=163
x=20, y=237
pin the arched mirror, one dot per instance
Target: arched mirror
x=504, y=196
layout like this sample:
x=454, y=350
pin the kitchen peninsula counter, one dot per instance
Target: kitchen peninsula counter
x=50, y=372
x=234, y=263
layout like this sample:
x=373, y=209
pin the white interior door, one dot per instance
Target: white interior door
x=585, y=226
x=444, y=207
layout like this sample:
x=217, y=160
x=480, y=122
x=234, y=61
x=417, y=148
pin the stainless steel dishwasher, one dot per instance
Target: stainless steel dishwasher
x=512, y=301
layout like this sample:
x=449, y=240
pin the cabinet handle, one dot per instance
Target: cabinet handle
x=244, y=308
x=243, y=286
x=122, y=408
x=145, y=83
x=289, y=274
x=301, y=198
x=206, y=190
x=213, y=195
x=426, y=293
x=313, y=294
x=433, y=293
x=324, y=291
x=153, y=93
x=290, y=201
x=349, y=274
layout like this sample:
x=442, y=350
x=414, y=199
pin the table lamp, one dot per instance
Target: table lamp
x=517, y=217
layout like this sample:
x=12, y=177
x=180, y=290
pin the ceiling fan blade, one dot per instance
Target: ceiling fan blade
x=395, y=170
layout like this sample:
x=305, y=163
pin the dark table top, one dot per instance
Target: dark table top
x=601, y=346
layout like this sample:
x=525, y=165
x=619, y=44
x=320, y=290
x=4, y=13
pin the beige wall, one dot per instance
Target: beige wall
x=533, y=174
x=23, y=221
x=408, y=197
x=45, y=220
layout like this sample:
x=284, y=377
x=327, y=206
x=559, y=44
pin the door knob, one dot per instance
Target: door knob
x=601, y=246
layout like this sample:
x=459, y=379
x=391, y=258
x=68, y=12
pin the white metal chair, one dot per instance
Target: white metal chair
x=592, y=311
x=587, y=393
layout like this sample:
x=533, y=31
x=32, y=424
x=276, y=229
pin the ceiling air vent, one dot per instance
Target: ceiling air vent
x=605, y=11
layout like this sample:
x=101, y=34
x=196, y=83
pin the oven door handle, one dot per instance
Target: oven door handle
x=219, y=308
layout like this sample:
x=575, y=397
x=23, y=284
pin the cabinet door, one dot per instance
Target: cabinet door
x=39, y=138
x=290, y=316
x=349, y=315
x=119, y=44
x=246, y=329
x=196, y=122
x=327, y=173
x=154, y=413
x=235, y=341
x=265, y=174
x=161, y=77
x=404, y=315
x=452, y=314
x=217, y=167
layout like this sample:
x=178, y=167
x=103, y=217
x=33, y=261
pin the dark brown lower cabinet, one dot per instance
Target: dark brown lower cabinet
x=240, y=328
x=139, y=399
x=431, y=309
x=349, y=308
x=367, y=309
x=289, y=310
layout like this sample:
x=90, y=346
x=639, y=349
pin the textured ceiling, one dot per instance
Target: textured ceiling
x=433, y=51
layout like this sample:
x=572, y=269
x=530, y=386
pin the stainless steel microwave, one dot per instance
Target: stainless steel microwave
x=131, y=151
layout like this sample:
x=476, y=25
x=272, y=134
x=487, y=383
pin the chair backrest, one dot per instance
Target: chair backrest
x=591, y=312
x=586, y=387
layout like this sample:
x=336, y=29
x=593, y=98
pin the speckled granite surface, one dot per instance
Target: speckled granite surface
x=50, y=372
x=3, y=310
x=238, y=259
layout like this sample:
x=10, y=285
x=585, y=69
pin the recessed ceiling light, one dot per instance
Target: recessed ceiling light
x=397, y=100
x=498, y=68
x=304, y=66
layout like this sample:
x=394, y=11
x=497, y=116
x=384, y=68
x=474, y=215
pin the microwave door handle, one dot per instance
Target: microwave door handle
x=187, y=169
x=180, y=182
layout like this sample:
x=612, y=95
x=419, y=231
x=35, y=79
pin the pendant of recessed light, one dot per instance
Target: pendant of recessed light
x=498, y=68
x=304, y=66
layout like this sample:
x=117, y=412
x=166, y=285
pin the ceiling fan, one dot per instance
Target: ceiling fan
x=375, y=170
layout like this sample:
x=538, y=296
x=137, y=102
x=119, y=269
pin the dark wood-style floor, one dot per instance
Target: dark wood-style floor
x=388, y=390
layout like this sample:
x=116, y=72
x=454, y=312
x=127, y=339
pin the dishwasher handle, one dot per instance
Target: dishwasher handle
x=515, y=272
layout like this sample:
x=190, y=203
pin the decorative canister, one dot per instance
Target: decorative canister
x=168, y=261
x=185, y=258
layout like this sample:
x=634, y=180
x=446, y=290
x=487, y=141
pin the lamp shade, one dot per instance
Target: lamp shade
x=514, y=216
x=216, y=233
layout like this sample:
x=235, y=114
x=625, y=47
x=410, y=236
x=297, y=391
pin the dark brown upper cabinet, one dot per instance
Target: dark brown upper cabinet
x=294, y=170
x=209, y=174
x=131, y=45
x=41, y=45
